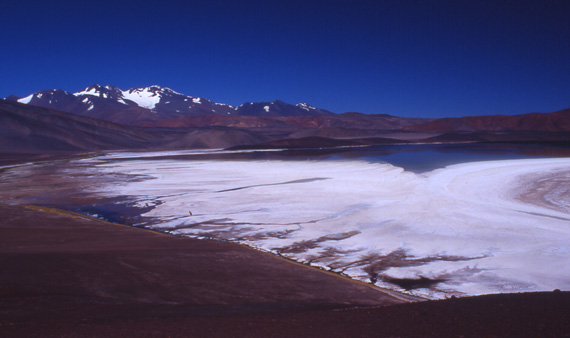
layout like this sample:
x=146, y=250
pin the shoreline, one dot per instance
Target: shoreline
x=81, y=277
x=113, y=172
x=37, y=308
x=401, y=296
x=414, y=204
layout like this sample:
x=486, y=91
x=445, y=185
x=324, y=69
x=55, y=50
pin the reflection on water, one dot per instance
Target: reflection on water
x=422, y=158
x=416, y=158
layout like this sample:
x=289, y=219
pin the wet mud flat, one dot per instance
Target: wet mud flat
x=62, y=181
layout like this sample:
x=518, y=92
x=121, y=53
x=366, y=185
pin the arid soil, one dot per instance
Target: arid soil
x=64, y=275
x=65, y=268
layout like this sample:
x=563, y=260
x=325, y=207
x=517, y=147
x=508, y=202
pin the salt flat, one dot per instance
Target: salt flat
x=466, y=229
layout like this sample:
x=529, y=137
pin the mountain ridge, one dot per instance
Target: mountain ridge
x=32, y=129
x=106, y=117
x=154, y=103
x=558, y=121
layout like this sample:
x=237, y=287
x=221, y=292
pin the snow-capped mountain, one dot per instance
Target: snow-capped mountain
x=153, y=103
x=279, y=108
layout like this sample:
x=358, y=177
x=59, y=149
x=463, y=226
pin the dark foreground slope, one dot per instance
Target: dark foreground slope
x=60, y=270
x=70, y=276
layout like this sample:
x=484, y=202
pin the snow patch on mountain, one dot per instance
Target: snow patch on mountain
x=144, y=97
x=165, y=90
x=88, y=91
x=27, y=99
x=225, y=105
x=305, y=106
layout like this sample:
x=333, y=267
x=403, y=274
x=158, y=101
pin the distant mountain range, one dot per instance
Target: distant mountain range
x=137, y=106
x=106, y=117
x=31, y=129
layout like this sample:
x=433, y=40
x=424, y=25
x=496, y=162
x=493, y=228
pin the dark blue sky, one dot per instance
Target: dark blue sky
x=430, y=58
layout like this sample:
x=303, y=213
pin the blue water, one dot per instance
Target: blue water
x=423, y=158
x=416, y=158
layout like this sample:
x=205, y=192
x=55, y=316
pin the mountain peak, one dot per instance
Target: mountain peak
x=155, y=89
x=48, y=95
x=105, y=92
x=279, y=108
x=156, y=102
x=306, y=106
x=12, y=98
